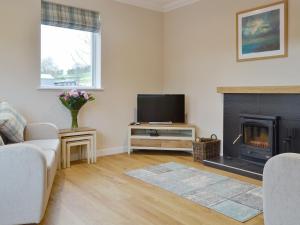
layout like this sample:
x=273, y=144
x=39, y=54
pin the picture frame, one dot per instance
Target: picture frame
x=262, y=32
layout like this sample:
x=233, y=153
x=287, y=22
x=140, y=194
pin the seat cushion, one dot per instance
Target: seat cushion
x=50, y=149
x=12, y=123
x=50, y=158
x=49, y=144
x=51, y=166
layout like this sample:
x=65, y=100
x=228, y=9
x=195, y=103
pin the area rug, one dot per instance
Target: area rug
x=238, y=200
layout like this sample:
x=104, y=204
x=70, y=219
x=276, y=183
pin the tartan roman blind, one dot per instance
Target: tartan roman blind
x=58, y=15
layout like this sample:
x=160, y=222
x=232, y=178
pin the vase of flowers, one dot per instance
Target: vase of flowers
x=74, y=100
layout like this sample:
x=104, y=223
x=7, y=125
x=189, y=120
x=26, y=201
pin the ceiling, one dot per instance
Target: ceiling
x=159, y=5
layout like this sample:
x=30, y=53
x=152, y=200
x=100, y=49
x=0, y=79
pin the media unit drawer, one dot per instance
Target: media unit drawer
x=145, y=143
x=161, y=143
x=176, y=144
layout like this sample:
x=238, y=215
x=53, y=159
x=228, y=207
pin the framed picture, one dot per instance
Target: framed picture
x=262, y=32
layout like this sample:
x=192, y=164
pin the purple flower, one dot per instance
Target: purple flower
x=74, y=99
x=74, y=93
x=86, y=96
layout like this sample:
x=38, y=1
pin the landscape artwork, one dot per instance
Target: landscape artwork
x=262, y=32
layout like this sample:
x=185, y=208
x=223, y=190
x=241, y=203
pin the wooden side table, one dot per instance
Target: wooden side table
x=70, y=144
x=79, y=135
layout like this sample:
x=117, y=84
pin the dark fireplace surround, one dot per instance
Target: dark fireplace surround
x=256, y=128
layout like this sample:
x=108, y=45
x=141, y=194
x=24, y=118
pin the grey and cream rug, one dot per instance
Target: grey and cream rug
x=238, y=200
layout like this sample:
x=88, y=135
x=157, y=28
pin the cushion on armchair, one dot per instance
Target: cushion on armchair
x=12, y=124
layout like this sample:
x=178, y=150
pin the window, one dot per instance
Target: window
x=70, y=47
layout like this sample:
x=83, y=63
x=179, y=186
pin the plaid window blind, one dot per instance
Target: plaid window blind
x=58, y=15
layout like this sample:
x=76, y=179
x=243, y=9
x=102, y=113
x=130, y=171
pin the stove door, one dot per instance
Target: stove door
x=256, y=135
x=257, y=142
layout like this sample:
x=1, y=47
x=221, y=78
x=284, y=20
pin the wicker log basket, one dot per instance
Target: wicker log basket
x=206, y=148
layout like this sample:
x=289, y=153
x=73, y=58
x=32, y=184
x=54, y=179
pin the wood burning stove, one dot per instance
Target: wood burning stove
x=274, y=134
x=258, y=139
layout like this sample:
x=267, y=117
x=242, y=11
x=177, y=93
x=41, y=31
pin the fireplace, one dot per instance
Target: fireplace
x=258, y=138
x=257, y=127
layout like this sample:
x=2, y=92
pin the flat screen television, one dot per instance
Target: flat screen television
x=160, y=108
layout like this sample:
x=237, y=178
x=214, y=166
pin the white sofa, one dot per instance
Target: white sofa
x=281, y=183
x=27, y=171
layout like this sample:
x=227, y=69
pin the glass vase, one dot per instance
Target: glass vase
x=74, y=114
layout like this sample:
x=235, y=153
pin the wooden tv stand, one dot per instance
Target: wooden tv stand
x=174, y=137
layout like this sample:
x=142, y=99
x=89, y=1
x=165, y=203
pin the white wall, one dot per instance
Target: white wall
x=131, y=64
x=200, y=54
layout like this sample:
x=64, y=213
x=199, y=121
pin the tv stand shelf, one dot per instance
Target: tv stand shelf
x=174, y=137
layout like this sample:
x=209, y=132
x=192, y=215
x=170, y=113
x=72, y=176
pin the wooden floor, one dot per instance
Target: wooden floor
x=101, y=194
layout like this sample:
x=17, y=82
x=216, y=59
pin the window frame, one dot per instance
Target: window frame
x=96, y=67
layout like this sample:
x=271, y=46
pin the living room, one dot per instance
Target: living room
x=192, y=48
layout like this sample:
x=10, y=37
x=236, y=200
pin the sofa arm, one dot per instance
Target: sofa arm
x=281, y=183
x=23, y=176
x=39, y=131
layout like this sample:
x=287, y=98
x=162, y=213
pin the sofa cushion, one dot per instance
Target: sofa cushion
x=50, y=149
x=48, y=144
x=50, y=157
x=51, y=165
x=12, y=124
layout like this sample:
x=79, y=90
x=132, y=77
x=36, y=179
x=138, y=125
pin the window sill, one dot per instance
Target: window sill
x=68, y=88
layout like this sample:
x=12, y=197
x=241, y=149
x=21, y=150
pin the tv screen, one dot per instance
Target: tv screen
x=160, y=108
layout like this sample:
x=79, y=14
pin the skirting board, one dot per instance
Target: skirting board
x=102, y=152
x=111, y=151
x=116, y=150
x=105, y=152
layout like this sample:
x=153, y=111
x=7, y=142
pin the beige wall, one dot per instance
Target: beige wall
x=190, y=50
x=199, y=55
x=131, y=64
